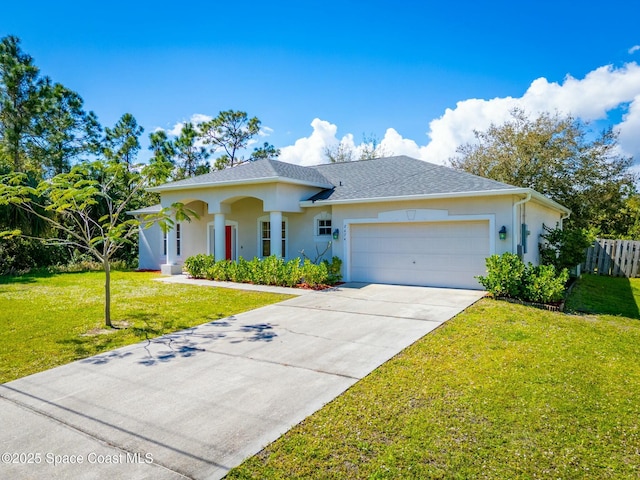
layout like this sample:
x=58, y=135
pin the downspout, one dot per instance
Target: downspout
x=516, y=227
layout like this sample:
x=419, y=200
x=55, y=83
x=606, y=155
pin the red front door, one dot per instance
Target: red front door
x=227, y=234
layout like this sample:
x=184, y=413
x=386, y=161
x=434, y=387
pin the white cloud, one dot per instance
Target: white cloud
x=310, y=150
x=265, y=131
x=590, y=98
x=629, y=129
x=196, y=118
x=634, y=49
x=394, y=144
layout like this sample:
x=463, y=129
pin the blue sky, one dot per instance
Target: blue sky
x=348, y=67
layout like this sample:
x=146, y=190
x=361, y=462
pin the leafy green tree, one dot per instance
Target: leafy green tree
x=564, y=247
x=43, y=127
x=190, y=158
x=339, y=153
x=629, y=216
x=555, y=155
x=371, y=148
x=230, y=132
x=68, y=203
x=63, y=133
x=122, y=142
x=19, y=103
x=264, y=152
x=121, y=147
x=161, y=165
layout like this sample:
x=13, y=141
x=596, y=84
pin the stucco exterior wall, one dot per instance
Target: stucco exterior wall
x=500, y=208
x=535, y=215
x=150, y=248
x=244, y=213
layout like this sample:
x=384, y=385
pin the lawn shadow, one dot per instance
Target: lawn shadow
x=31, y=277
x=600, y=294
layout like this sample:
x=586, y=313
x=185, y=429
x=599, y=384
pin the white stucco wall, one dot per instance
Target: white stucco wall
x=535, y=215
x=150, y=248
x=499, y=208
x=244, y=205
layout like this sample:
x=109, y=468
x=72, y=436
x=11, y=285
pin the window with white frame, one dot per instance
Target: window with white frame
x=322, y=226
x=264, y=231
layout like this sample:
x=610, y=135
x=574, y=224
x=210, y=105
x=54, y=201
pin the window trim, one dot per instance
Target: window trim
x=285, y=236
x=322, y=216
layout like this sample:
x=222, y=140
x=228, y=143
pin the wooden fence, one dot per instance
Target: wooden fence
x=616, y=258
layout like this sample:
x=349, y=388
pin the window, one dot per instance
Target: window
x=323, y=227
x=178, y=239
x=265, y=238
x=164, y=242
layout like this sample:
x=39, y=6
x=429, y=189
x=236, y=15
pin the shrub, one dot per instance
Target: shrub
x=19, y=255
x=314, y=275
x=544, y=285
x=219, y=271
x=564, y=248
x=508, y=276
x=505, y=275
x=334, y=270
x=268, y=271
x=197, y=265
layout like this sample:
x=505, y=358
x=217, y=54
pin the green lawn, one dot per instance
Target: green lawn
x=44, y=318
x=611, y=295
x=501, y=391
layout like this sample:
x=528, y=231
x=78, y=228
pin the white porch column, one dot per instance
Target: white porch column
x=275, y=219
x=220, y=245
x=171, y=242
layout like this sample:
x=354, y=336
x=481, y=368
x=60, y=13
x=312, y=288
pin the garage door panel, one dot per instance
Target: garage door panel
x=446, y=254
x=418, y=244
x=417, y=262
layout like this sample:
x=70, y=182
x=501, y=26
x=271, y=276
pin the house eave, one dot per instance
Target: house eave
x=252, y=181
x=435, y=196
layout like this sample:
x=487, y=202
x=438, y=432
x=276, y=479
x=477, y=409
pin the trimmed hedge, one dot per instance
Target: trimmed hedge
x=508, y=276
x=269, y=271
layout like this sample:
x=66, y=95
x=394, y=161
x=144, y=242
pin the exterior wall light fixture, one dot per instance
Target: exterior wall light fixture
x=502, y=233
x=336, y=234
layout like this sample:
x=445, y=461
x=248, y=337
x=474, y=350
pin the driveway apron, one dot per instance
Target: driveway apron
x=195, y=403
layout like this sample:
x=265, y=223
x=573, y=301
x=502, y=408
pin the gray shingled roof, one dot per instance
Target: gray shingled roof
x=146, y=210
x=397, y=177
x=253, y=171
x=365, y=179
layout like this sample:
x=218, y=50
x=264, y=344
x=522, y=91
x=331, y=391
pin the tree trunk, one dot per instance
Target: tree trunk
x=107, y=293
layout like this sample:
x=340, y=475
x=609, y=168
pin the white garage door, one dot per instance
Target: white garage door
x=441, y=254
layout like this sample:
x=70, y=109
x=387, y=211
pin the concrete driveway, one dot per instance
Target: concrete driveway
x=196, y=403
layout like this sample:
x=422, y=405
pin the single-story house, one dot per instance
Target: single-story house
x=394, y=220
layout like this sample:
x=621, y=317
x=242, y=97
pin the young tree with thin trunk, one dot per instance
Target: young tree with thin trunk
x=69, y=203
